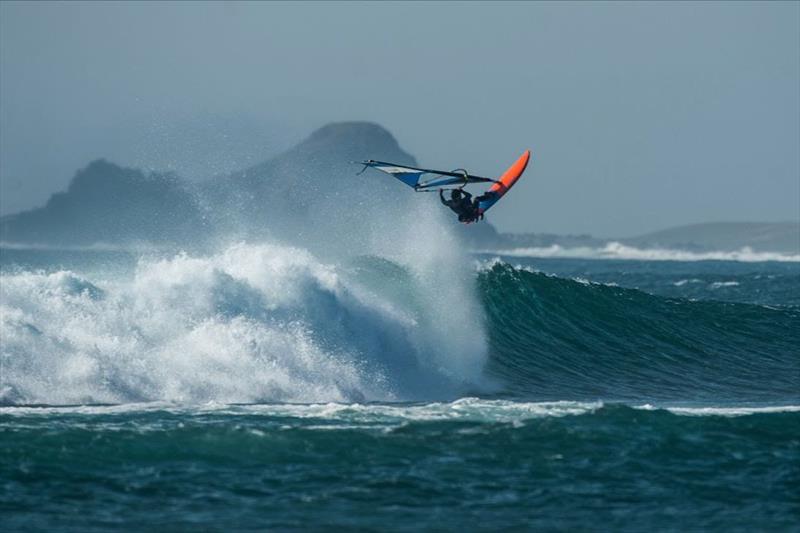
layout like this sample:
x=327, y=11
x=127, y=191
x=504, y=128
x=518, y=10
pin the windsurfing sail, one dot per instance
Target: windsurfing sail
x=418, y=177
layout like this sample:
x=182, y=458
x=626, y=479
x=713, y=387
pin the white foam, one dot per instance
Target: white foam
x=353, y=414
x=683, y=282
x=333, y=415
x=252, y=323
x=724, y=411
x=720, y=284
x=616, y=250
x=464, y=409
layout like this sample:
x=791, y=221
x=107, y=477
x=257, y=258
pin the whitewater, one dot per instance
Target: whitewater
x=253, y=323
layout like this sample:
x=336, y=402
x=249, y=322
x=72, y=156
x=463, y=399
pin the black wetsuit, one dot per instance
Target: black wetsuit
x=466, y=210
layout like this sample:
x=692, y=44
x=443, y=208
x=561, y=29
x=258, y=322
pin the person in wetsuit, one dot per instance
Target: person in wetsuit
x=462, y=204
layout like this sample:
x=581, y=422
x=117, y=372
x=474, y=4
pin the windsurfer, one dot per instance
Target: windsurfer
x=462, y=204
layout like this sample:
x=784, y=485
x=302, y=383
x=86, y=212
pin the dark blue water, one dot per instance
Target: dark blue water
x=467, y=465
x=614, y=395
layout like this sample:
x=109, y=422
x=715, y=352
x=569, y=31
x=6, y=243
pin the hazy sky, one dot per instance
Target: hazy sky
x=639, y=115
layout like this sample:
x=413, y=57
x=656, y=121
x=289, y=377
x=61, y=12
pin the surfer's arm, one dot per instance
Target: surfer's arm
x=441, y=198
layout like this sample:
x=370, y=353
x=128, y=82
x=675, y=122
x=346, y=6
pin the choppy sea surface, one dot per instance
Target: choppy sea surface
x=263, y=388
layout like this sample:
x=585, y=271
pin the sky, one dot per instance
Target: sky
x=640, y=116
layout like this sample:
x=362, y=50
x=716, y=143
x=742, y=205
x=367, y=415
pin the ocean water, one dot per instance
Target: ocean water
x=263, y=387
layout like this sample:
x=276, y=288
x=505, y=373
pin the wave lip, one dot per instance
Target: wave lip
x=617, y=250
x=582, y=340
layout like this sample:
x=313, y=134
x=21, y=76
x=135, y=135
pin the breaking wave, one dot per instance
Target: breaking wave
x=254, y=323
x=273, y=323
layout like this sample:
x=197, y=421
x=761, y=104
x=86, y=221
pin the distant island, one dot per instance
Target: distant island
x=725, y=236
x=780, y=237
x=106, y=203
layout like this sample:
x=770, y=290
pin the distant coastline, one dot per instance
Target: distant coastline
x=700, y=240
x=107, y=205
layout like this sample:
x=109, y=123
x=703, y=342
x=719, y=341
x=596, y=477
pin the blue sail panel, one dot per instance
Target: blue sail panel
x=441, y=182
x=409, y=176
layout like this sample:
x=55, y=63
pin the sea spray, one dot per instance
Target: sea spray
x=252, y=323
x=444, y=279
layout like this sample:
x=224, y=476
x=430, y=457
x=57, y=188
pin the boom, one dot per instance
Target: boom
x=412, y=176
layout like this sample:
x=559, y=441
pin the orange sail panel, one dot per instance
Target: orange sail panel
x=506, y=181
